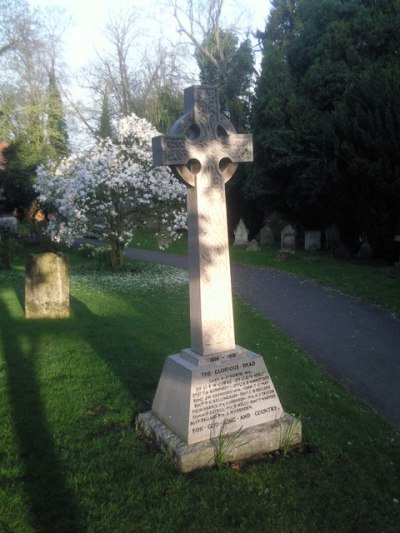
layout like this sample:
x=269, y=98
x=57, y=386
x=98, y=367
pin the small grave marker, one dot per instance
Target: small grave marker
x=46, y=286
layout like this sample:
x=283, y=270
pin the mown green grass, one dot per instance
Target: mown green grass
x=71, y=460
x=367, y=280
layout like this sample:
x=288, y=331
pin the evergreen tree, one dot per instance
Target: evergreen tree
x=57, y=126
x=325, y=120
x=17, y=176
x=228, y=65
x=105, y=119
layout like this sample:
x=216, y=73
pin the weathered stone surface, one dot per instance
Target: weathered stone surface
x=46, y=286
x=249, y=443
x=253, y=246
x=241, y=234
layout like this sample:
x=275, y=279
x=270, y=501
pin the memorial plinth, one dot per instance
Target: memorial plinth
x=215, y=390
x=198, y=396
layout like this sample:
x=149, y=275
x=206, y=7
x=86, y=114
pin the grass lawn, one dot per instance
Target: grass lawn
x=71, y=460
x=368, y=280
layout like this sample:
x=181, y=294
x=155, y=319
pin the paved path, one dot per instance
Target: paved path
x=357, y=343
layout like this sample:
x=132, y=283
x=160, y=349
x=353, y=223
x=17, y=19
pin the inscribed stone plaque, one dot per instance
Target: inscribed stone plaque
x=200, y=399
x=46, y=286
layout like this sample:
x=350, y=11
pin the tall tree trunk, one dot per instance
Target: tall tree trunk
x=117, y=255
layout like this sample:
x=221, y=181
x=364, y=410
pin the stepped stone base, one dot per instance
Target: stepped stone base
x=250, y=443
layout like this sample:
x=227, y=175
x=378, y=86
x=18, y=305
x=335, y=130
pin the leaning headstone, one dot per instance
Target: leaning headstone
x=312, y=241
x=288, y=239
x=46, y=286
x=241, y=234
x=266, y=235
x=214, y=391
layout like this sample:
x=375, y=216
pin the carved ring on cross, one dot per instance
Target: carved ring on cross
x=207, y=145
x=202, y=141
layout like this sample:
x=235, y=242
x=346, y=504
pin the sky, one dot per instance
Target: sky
x=85, y=35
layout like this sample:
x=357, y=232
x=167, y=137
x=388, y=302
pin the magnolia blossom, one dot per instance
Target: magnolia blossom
x=113, y=184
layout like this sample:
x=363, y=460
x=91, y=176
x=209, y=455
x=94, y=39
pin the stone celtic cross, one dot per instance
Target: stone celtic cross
x=203, y=149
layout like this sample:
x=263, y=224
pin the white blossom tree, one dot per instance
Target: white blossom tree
x=113, y=183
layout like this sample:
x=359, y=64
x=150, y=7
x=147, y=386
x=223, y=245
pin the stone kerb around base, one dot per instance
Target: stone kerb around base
x=248, y=444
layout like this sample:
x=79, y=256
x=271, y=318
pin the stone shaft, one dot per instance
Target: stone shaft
x=211, y=313
x=203, y=149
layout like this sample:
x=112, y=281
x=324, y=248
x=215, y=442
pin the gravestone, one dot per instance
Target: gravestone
x=214, y=390
x=312, y=240
x=8, y=225
x=288, y=239
x=266, y=235
x=46, y=286
x=253, y=246
x=241, y=234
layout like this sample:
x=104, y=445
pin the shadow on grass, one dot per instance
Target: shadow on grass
x=117, y=340
x=134, y=358
x=52, y=504
x=113, y=340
